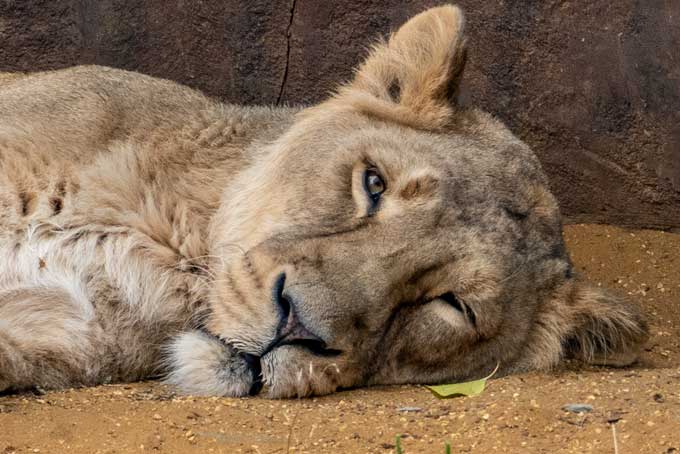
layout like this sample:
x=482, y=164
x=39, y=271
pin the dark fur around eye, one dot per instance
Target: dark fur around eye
x=514, y=213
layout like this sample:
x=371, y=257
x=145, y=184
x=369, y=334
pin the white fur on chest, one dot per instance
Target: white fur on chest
x=117, y=287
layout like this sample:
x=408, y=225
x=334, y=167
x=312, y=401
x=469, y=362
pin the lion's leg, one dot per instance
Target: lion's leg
x=47, y=339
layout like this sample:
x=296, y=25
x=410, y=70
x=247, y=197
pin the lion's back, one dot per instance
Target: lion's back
x=79, y=110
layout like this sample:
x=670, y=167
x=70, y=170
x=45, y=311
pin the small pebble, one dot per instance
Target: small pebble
x=614, y=418
x=410, y=409
x=578, y=408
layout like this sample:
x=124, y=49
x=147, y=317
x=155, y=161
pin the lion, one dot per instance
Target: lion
x=388, y=235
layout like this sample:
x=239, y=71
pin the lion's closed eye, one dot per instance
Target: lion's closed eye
x=514, y=211
x=453, y=301
x=453, y=310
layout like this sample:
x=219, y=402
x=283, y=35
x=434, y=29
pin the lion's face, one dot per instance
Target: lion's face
x=395, y=238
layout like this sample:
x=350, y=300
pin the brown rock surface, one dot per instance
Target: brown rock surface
x=593, y=87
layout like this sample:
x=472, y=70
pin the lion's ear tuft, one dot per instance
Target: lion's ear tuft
x=414, y=77
x=588, y=323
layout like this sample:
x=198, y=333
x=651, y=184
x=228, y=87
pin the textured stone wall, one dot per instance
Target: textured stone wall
x=592, y=86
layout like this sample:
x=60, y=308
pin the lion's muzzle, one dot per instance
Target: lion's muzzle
x=291, y=330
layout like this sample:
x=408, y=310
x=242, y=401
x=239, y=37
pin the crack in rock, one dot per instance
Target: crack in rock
x=288, y=36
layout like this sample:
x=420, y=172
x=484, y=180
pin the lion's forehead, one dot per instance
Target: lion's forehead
x=484, y=155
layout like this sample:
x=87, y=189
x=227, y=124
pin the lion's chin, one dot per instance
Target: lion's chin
x=290, y=371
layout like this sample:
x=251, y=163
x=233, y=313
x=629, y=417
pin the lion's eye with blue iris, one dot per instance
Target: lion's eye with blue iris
x=374, y=184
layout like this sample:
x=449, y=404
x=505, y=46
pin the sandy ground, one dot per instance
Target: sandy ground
x=637, y=408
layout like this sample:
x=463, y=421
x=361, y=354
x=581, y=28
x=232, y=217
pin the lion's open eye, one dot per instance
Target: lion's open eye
x=374, y=184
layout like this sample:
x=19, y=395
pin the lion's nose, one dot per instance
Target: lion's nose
x=291, y=330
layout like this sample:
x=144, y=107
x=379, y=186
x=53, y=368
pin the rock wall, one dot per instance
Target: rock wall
x=593, y=87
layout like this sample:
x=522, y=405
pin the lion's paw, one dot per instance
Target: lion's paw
x=201, y=364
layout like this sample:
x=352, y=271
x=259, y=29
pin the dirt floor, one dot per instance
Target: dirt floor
x=635, y=409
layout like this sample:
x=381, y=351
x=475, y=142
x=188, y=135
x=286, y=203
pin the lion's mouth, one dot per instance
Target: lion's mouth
x=290, y=331
x=255, y=367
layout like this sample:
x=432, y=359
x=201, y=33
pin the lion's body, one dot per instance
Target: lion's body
x=387, y=235
x=108, y=182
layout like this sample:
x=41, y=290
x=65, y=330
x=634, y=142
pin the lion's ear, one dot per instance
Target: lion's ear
x=588, y=323
x=603, y=329
x=414, y=77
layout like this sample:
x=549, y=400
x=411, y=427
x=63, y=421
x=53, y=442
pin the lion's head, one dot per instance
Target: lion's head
x=391, y=236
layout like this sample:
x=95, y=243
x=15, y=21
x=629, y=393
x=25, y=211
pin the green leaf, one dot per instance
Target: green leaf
x=398, y=445
x=469, y=388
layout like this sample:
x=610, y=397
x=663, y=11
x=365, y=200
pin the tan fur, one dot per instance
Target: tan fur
x=7, y=78
x=150, y=230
